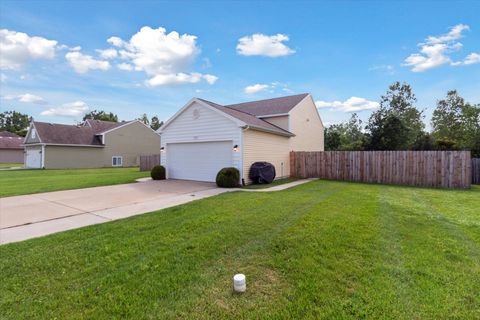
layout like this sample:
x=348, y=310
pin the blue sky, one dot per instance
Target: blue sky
x=162, y=54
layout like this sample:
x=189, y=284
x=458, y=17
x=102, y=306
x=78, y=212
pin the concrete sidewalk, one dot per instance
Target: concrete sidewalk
x=31, y=216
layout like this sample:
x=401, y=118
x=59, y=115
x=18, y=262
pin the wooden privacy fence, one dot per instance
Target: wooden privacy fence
x=147, y=162
x=439, y=169
x=476, y=170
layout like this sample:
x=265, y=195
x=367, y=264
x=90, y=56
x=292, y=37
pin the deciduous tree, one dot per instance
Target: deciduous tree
x=14, y=122
x=101, y=115
x=397, y=110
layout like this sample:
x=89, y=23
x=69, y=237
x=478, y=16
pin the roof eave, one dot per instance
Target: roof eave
x=63, y=145
x=273, y=115
x=285, y=134
x=199, y=101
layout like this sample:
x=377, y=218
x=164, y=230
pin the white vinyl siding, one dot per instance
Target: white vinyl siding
x=199, y=123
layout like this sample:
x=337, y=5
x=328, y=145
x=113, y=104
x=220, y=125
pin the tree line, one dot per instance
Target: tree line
x=17, y=122
x=399, y=125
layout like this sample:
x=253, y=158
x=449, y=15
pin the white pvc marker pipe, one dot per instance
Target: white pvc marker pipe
x=239, y=283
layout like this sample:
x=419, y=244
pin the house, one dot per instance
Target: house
x=203, y=137
x=94, y=144
x=11, y=150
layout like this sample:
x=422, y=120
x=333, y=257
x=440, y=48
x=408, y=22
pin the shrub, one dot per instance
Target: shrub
x=158, y=173
x=228, y=178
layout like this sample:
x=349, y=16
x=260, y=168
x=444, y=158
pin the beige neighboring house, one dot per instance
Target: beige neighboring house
x=203, y=137
x=11, y=149
x=94, y=144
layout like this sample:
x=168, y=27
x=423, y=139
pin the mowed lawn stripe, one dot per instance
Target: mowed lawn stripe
x=434, y=254
x=320, y=250
x=254, y=257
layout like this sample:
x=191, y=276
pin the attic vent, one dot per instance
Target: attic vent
x=196, y=114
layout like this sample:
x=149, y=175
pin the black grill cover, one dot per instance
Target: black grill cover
x=262, y=172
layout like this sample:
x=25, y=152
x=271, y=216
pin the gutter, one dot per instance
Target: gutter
x=61, y=145
x=286, y=134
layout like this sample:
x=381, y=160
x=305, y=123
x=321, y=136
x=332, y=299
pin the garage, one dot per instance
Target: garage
x=33, y=158
x=198, y=161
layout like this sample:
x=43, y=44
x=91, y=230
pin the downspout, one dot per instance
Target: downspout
x=43, y=156
x=242, y=175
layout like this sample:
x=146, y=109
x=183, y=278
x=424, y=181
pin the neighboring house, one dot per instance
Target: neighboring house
x=11, y=150
x=203, y=137
x=94, y=144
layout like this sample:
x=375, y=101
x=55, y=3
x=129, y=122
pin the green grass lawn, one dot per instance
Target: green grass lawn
x=17, y=182
x=10, y=165
x=273, y=184
x=322, y=250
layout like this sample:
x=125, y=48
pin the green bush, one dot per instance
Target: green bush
x=158, y=173
x=228, y=178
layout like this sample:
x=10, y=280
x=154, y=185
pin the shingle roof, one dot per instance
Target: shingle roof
x=260, y=108
x=66, y=134
x=11, y=142
x=8, y=134
x=100, y=126
x=249, y=112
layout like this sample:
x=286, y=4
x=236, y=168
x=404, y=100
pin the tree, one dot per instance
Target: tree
x=456, y=123
x=345, y=136
x=388, y=133
x=333, y=138
x=101, y=115
x=15, y=122
x=144, y=119
x=424, y=142
x=155, y=124
x=397, y=109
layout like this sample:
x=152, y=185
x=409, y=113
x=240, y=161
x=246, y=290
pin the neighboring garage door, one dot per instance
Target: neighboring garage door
x=33, y=159
x=199, y=161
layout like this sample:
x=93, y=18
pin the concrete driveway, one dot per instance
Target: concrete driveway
x=24, y=217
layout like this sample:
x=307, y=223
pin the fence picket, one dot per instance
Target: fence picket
x=147, y=162
x=445, y=169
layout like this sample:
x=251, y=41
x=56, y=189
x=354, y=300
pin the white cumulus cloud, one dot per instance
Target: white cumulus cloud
x=270, y=87
x=72, y=109
x=116, y=41
x=179, y=78
x=125, y=66
x=455, y=33
x=107, y=53
x=164, y=57
x=255, y=88
x=352, y=104
x=210, y=78
x=437, y=50
x=262, y=45
x=26, y=98
x=472, y=58
x=82, y=63
x=18, y=48
x=31, y=98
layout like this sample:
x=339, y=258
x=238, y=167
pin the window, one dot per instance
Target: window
x=34, y=133
x=117, y=161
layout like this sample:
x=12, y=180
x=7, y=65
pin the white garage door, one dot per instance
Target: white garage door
x=33, y=159
x=199, y=161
